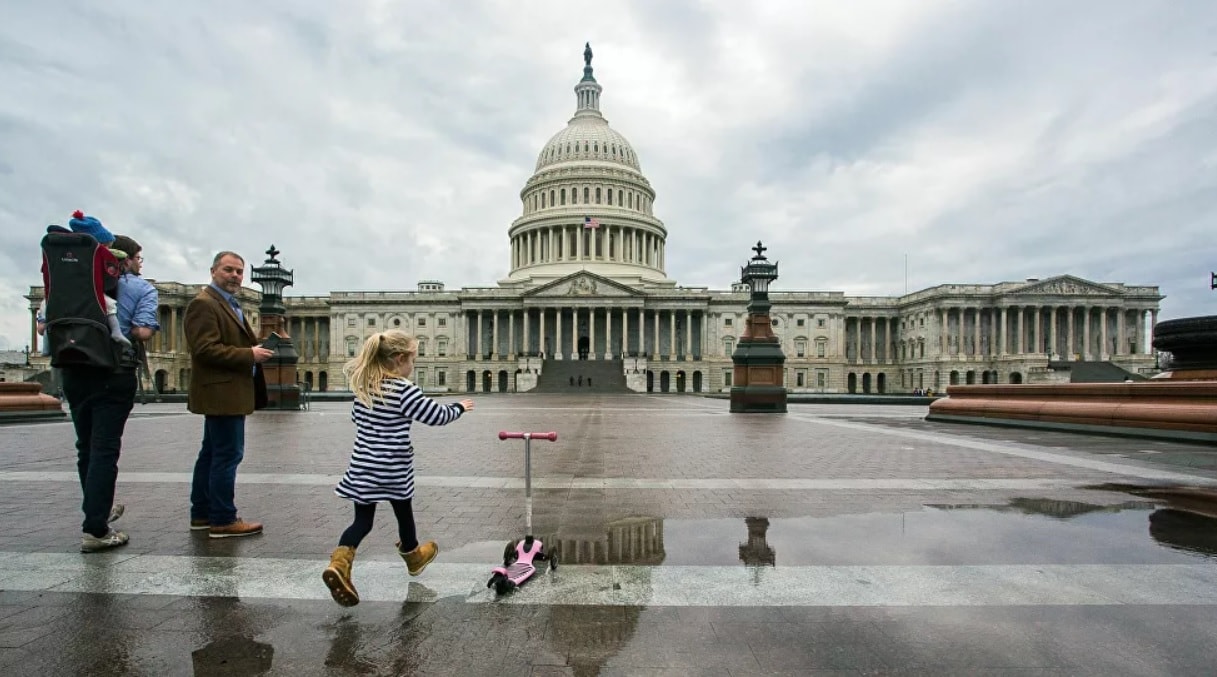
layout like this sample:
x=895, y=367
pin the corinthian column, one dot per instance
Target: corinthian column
x=1086, y=354
x=494, y=334
x=478, y=336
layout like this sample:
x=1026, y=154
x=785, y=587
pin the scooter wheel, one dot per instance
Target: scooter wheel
x=494, y=581
x=553, y=561
x=504, y=586
x=509, y=553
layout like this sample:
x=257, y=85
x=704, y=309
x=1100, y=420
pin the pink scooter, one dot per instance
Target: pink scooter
x=520, y=557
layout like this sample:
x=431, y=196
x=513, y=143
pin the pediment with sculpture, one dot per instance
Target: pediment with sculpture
x=1066, y=285
x=582, y=284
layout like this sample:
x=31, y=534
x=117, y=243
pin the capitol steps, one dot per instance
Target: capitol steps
x=587, y=376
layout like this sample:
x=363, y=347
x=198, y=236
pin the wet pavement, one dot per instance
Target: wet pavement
x=835, y=539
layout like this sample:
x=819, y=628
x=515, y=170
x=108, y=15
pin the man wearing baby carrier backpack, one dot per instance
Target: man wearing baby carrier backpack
x=100, y=391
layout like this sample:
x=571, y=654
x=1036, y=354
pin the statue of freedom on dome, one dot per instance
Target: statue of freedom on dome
x=587, y=54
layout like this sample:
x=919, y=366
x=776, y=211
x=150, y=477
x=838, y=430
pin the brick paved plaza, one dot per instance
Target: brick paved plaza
x=836, y=539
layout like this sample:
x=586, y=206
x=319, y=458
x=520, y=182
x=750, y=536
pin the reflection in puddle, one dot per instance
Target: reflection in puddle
x=1185, y=531
x=631, y=540
x=756, y=551
x=1022, y=531
x=233, y=656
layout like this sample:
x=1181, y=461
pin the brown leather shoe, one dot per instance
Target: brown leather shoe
x=237, y=528
x=199, y=525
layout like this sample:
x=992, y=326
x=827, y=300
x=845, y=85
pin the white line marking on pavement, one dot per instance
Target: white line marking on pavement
x=896, y=484
x=271, y=578
x=1020, y=452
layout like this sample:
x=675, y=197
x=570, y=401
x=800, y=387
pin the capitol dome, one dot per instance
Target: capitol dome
x=588, y=137
x=587, y=205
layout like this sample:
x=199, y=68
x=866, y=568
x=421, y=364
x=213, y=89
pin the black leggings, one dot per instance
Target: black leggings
x=362, y=526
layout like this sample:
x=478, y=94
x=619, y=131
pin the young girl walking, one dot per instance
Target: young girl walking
x=382, y=461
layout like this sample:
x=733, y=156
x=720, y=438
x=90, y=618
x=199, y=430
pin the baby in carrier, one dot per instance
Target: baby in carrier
x=91, y=226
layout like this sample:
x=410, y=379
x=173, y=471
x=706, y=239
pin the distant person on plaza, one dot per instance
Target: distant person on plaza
x=100, y=401
x=226, y=385
x=381, y=468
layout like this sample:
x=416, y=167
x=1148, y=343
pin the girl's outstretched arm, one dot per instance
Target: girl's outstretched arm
x=417, y=406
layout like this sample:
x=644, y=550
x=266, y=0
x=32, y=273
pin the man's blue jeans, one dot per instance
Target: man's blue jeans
x=100, y=402
x=215, y=471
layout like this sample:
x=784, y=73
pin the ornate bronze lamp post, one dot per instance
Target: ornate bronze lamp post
x=282, y=387
x=757, y=380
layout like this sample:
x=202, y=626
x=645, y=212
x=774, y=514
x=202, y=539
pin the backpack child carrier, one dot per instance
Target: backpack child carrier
x=77, y=275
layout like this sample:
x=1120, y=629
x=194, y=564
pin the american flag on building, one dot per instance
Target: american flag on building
x=589, y=222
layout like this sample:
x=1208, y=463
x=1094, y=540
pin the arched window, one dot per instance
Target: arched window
x=596, y=147
x=620, y=198
x=551, y=199
x=586, y=193
x=597, y=195
x=562, y=195
x=542, y=200
x=631, y=198
x=610, y=196
x=585, y=147
x=728, y=346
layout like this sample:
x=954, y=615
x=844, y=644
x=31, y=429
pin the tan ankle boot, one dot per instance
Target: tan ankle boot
x=418, y=558
x=337, y=576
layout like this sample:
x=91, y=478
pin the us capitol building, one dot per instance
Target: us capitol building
x=587, y=281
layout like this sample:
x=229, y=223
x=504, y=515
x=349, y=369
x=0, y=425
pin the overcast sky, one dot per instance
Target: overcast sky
x=377, y=143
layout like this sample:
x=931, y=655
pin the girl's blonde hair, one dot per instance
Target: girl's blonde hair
x=374, y=363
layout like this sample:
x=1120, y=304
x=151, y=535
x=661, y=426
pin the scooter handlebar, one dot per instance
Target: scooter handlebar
x=505, y=435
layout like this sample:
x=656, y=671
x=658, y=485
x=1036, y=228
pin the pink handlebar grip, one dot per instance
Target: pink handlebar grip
x=551, y=436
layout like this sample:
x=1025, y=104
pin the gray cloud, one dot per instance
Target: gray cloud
x=377, y=144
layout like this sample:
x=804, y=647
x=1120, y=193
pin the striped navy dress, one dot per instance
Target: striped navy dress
x=382, y=461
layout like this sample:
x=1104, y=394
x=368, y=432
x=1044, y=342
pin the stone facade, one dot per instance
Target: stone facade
x=587, y=277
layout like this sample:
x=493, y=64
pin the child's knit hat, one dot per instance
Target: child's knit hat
x=91, y=226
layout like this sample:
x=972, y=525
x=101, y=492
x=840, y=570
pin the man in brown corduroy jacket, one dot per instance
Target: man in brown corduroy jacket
x=226, y=385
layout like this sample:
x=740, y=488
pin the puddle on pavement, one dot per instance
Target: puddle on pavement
x=1021, y=531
